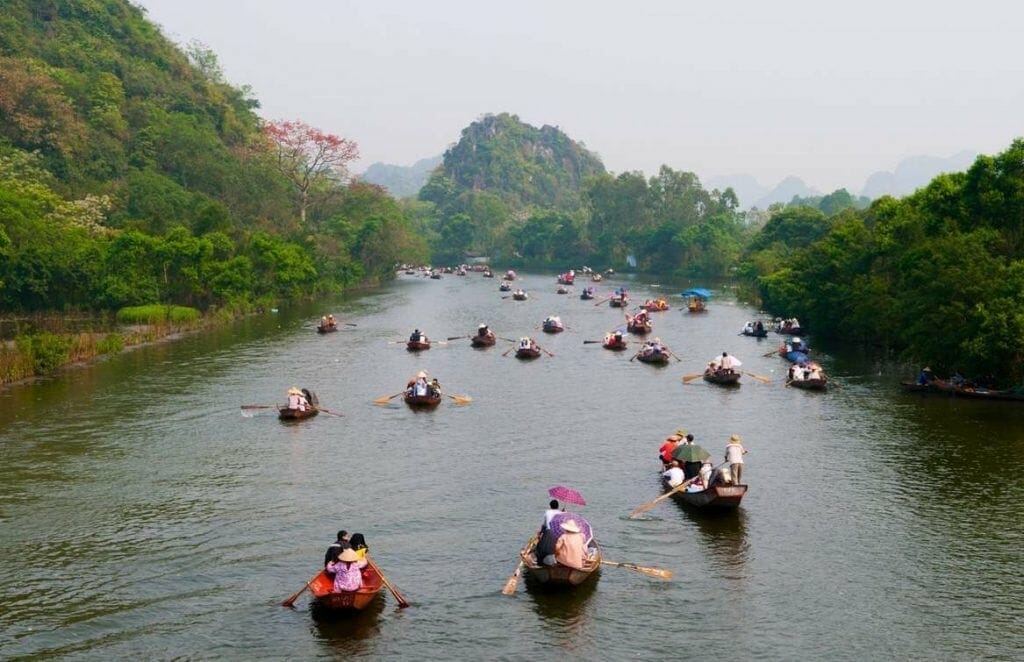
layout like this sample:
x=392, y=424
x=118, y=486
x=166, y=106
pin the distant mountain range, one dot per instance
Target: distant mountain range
x=910, y=174
x=401, y=181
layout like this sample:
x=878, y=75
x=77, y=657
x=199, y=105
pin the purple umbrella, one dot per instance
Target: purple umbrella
x=567, y=494
x=561, y=518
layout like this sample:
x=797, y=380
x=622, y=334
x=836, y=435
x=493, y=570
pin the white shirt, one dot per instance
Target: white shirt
x=548, y=514
x=734, y=453
x=674, y=476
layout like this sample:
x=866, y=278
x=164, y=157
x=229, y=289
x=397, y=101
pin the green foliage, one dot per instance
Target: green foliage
x=938, y=276
x=111, y=343
x=157, y=314
x=46, y=350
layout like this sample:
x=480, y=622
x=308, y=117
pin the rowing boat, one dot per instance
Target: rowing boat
x=639, y=327
x=714, y=498
x=945, y=388
x=284, y=413
x=723, y=378
x=487, y=340
x=428, y=401
x=648, y=355
x=322, y=587
x=614, y=343
x=418, y=345
x=531, y=352
x=809, y=384
x=326, y=328
x=559, y=576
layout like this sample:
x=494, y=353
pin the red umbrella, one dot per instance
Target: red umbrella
x=567, y=494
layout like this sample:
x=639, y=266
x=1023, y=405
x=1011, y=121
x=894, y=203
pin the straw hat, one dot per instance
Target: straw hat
x=735, y=438
x=421, y=374
x=294, y=391
x=680, y=432
x=571, y=526
x=348, y=556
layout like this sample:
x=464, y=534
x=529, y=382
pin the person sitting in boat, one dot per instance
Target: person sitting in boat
x=665, y=451
x=705, y=473
x=728, y=364
x=570, y=548
x=797, y=345
x=794, y=323
x=926, y=376
x=418, y=384
x=359, y=546
x=748, y=328
x=415, y=336
x=553, y=322
x=525, y=343
x=674, y=475
x=347, y=571
x=721, y=476
x=814, y=371
x=482, y=331
x=435, y=387
x=552, y=510
x=297, y=399
x=759, y=327
x=331, y=321
x=323, y=322
x=795, y=372
x=337, y=547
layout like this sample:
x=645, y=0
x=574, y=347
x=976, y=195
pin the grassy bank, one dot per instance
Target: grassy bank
x=40, y=352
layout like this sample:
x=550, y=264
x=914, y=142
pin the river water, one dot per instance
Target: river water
x=141, y=514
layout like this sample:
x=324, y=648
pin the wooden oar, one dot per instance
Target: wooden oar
x=328, y=411
x=351, y=324
x=513, y=581
x=506, y=339
x=761, y=378
x=459, y=399
x=639, y=510
x=505, y=353
x=771, y=353
x=456, y=337
x=602, y=301
x=591, y=342
x=402, y=602
x=645, y=570
x=290, y=600
x=384, y=399
x=689, y=378
x=259, y=406
x=635, y=355
x=544, y=350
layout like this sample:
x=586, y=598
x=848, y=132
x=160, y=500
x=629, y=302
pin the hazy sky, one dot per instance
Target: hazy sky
x=826, y=91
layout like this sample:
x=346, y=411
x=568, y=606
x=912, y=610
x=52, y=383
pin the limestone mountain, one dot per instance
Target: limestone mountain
x=401, y=181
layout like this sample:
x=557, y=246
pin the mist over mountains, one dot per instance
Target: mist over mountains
x=909, y=175
x=401, y=181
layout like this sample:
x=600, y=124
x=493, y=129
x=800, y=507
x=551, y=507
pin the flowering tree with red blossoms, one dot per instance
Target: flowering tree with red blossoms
x=307, y=156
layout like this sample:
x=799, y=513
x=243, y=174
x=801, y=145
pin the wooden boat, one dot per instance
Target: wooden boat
x=655, y=305
x=483, y=341
x=619, y=302
x=509, y=275
x=809, y=384
x=447, y=270
x=639, y=328
x=327, y=328
x=488, y=274
x=560, y=576
x=597, y=278
x=410, y=272
x=647, y=355
x=614, y=344
x=527, y=352
x=504, y=287
x=428, y=401
x=587, y=293
x=326, y=598
x=696, y=306
x=945, y=388
x=418, y=345
x=790, y=331
x=697, y=299
x=562, y=290
x=723, y=378
x=520, y=295
x=552, y=326
x=436, y=275
x=566, y=279
x=715, y=498
x=286, y=414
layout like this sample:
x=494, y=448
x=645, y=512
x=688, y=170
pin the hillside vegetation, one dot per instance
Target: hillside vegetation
x=132, y=173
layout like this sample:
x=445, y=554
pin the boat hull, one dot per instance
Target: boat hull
x=755, y=334
x=326, y=598
x=551, y=328
x=286, y=414
x=560, y=576
x=809, y=384
x=327, y=329
x=618, y=303
x=652, y=358
x=483, y=341
x=728, y=379
x=422, y=401
x=960, y=392
x=527, y=353
x=519, y=297
x=715, y=498
x=417, y=345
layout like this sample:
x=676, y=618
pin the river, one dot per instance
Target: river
x=142, y=515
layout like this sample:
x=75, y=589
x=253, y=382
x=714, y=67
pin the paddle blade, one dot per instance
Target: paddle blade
x=513, y=581
x=689, y=378
x=462, y=399
x=659, y=573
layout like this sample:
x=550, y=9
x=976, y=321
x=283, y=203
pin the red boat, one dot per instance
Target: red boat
x=323, y=591
x=614, y=343
x=568, y=278
x=655, y=305
x=418, y=345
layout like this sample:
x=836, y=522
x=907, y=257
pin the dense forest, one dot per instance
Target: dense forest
x=132, y=173
x=937, y=276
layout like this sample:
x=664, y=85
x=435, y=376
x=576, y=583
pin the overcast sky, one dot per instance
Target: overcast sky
x=830, y=92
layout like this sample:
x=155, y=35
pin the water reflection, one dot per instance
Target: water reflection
x=724, y=535
x=347, y=633
x=565, y=613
